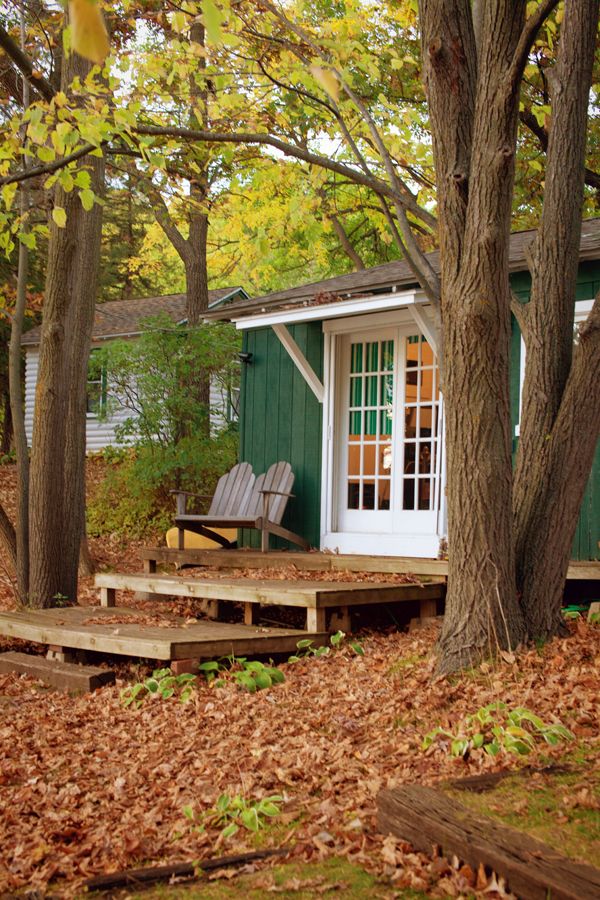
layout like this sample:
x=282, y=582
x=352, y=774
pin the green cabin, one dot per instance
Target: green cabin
x=340, y=379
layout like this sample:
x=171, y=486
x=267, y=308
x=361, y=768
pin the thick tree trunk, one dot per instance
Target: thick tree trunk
x=196, y=273
x=474, y=147
x=58, y=446
x=547, y=450
x=567, y=463
x=87, y=566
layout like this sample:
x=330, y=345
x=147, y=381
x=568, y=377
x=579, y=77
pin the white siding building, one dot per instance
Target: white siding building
x=121, y=319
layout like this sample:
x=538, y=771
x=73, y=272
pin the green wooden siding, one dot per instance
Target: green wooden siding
x=587, y=535
x=280, y=418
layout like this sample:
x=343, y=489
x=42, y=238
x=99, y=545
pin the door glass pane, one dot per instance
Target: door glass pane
x=356, y=357
x=372, y=357
x=371, y=398
x=356, y=391
x=420, y=416
x=387, y=350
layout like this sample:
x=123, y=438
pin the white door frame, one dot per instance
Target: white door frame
x=399, y=544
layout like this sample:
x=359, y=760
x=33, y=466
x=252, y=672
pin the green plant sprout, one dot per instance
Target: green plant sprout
x=162, y=683
x=495, y=728
x=305, y=647
x=232, y=813
x=249, y=675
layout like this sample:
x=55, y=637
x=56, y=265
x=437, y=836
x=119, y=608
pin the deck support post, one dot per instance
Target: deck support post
x=251, y=613
x=428, y=608
x=340, y=620
x=315, y=620
x=149, y=569
x=107, y=596
x=210, y=608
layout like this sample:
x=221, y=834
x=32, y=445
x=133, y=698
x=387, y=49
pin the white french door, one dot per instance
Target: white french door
x=387, y=439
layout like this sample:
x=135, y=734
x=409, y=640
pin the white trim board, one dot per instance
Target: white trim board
x=355, y=307
x=300, y=361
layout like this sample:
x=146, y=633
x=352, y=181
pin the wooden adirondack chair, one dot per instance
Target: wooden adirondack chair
x=243, y=501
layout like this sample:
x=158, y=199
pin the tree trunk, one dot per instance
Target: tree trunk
x=8, y=538
x=18, y=417
x=547, y=450
x=87, y=566
x=58, y=445
x=475, y=178
x=6, y=441
x=16, y=388
x=567, y=464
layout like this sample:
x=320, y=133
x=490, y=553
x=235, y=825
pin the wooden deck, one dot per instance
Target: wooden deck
x=327, y=562
x=69, y=628
x=316, y=597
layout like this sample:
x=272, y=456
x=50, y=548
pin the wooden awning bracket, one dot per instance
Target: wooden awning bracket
x=300, y=361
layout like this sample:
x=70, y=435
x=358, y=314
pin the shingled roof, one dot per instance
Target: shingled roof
x=122, y=318
x=384, y=278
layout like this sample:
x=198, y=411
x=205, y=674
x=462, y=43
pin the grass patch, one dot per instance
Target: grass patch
x=405, y=662
x=560, y=809
x=301, y=881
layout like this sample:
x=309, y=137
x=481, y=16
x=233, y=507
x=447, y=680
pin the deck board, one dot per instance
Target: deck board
x=585, y=570
x=200, y=640
x=274, y=592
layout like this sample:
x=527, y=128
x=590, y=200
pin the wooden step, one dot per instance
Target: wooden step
x=64, y=676
x=585, y=570
x=321, y=562
x=70, y=628
x=314, y=596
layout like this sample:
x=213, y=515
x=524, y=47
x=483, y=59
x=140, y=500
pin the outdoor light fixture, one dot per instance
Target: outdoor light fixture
x=245, y=358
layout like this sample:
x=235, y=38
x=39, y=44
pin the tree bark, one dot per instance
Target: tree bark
x=16, y=388
x=6, y=442
x=58, y=446
x=8, y=538
x=566, y=469
x=474, y=122
x=18, y=417
x=545, y=447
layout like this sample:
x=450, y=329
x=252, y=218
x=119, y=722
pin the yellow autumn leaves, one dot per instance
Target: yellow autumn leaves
x=89, y=37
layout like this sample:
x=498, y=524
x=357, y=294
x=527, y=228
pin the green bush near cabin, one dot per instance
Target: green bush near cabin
x=167, y=440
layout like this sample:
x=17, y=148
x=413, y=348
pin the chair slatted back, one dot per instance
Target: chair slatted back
x=233, y=492
x=278, y=477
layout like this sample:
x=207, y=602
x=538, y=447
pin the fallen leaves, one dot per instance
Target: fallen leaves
x=90, y=787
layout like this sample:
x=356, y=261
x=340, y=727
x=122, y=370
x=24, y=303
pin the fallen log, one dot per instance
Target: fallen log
x=150, y=874
x=427, y=818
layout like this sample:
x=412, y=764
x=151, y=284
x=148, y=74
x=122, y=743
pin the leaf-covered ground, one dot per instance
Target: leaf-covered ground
x=89, y=786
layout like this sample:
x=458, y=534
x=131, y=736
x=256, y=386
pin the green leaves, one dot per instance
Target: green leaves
x=495, y=728
x=162, y=683
x=231, y=813
x=59, y=216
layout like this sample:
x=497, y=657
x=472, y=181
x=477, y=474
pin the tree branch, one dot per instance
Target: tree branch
x=592, y=179
x=50, y=167
x=25, y=66
x=371, y=181
x=528, y=36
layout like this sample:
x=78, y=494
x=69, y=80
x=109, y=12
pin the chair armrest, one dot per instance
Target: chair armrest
x=191, y=494
x=181, y=498
x=279, y=493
